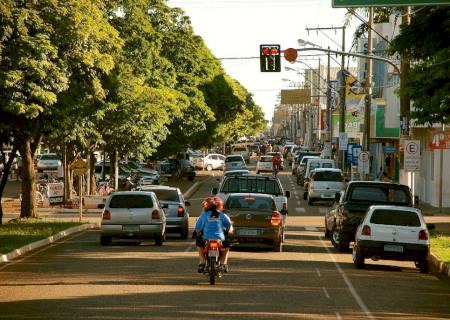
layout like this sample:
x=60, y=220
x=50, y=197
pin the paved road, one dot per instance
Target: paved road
x=79, y=279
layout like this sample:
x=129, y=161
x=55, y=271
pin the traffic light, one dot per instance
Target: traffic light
x=269, y=57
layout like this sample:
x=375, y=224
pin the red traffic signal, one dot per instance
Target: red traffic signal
x=269, y=57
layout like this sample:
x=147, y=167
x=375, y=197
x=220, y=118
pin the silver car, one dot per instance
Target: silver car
x=175, y=207
x=132, y=215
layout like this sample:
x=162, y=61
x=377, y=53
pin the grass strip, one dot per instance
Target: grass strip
x=20, y=232
x=440, y=246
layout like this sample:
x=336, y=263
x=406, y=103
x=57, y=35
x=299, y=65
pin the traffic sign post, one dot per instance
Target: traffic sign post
x=412, y=155
x=343, y=140
x=364, y=162
x=80, y=167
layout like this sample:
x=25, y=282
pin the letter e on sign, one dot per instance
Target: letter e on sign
x=412, y=155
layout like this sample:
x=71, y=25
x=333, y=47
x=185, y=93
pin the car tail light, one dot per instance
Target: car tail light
x=106, y=215
x=213, y=245
x=423, y=235
x=275, y=221
x=180, y=211
x=155, y=214
x=285, y=207
x=366, y=231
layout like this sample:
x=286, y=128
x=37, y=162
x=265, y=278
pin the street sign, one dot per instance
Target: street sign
x=296, y=96
x=364, y=162
x=55, y=192
x=80, y=167
x=343, y=140
x=355, y=153
x=290, y=54
x=412, y=155
x=386, y=3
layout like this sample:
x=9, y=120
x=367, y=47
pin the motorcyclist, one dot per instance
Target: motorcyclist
x=276, y=163
x=212, y=224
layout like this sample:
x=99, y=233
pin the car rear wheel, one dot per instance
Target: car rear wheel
x=209, y=167
x=358, y=260
x=423, y=266
x=105, y=240
x=343, y=242
x=334, y=237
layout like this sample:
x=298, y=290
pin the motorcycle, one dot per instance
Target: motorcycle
x=213, y=267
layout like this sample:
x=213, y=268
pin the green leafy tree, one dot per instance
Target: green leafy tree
x=425, y=42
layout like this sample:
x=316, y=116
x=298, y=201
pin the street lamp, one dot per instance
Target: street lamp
x=304, y=43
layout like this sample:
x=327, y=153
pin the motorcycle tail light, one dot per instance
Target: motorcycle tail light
x=275, y=221
x=180, y=211
x=155, y=214
x=106, y=215
x=213, y=245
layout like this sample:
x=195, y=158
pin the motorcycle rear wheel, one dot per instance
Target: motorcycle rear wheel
x=212, y=270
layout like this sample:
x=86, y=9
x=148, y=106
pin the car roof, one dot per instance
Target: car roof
x=246, y=194
x=326, y=169
x=160, y=187
x=234, y=155
x=121, y=193
x=234, y=171
x=375, y=183
x=396, y=208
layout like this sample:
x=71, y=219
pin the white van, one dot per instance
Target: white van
x=318, y=163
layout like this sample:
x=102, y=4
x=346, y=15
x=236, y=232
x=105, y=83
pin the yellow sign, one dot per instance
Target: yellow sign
x=296, y=96
x=80, y=167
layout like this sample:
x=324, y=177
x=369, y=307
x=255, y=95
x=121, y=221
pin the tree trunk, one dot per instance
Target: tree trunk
x=4, y=180
x=28, y=206
x=93, y=187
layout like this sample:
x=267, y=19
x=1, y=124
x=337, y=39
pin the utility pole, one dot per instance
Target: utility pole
x=329, y=120
x=405, y=68
x=368, y=104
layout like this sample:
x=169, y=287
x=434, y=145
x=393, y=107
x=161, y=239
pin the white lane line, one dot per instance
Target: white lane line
x=349, y=284
x=338, y=316
x=311, y=229
x=318, y=272
x=300, y=210
x=325, y=292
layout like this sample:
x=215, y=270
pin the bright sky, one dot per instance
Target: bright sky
x=236, y=28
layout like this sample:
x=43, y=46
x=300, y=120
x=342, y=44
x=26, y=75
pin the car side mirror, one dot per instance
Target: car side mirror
x=214, y=191
x=187, y=203
x=101, y=206
x=431, y=226
x=287, y=193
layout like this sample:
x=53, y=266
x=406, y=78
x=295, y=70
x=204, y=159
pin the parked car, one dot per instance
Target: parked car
x=351, y=205
x=132, y=215
x=264, y=164
x=234, y=162
x=49, y=161
x=175, y=208
x=210, y=162
x=323, y=184
x=299, y=156
x=302, y=168
x=255, y=219
x=393, y=233
x=254, y=184
x=179, y=168
x=243, y=151
x=281, y=156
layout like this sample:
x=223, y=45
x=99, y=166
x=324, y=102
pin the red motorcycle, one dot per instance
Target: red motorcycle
x=213, y=268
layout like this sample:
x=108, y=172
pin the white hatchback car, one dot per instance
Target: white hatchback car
x=393, y=233
x=234, y=162
x=323, y=184
x=264, y=164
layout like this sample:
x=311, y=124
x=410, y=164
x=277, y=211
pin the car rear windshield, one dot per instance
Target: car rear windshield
x=380, y=194
x=239, y=185
x=235, y=173
x=131, y=201
x=250, y=202
x=166, y=195
x=266, y=159
x=328, y=176
x=49, y=157
x=240, y=149
x=395, y=218
x=233, y=159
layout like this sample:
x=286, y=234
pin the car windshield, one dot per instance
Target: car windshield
x=395, y=218
x=245, y=184
x=239, y=149
x=328, y=176
x=233, y=159
x=166, y=195
x=250, y=202
x=49, y=157
x=382, y=194
x=131, y=201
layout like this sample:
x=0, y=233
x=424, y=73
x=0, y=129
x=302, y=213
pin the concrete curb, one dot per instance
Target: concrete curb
x=193, y=189
x=41, y=243
x=65, y=210
x=437, y=265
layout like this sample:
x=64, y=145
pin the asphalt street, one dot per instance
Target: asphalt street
x=79, y=279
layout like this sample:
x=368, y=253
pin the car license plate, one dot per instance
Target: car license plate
x=130, y=228
x=213, y=253
x=393, y=248
x=248, y=232
x=327, y=196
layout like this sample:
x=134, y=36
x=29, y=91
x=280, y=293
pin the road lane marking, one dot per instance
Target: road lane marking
x=338, y=316
x=325, y=292
x=300, y=210
x=349, y=284
x=318, y=272
x=311, y=229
